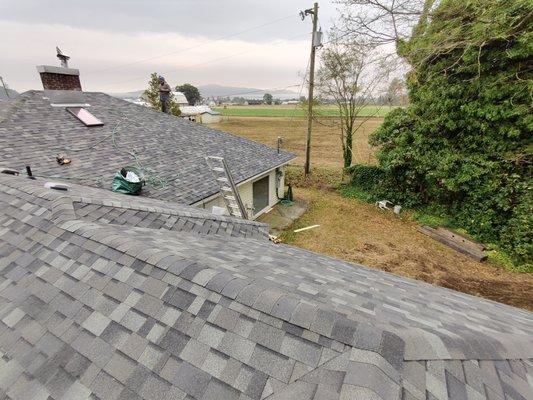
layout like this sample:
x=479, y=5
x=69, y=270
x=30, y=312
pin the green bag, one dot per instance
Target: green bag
x=121, y=185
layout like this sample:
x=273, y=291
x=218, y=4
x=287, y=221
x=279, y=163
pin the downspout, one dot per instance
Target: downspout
x=279, y=176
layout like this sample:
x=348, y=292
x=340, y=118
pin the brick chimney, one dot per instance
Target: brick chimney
x=59, y=78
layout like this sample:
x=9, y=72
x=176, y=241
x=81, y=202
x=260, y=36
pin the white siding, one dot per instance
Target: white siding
x=246, y=193
x=210, y=118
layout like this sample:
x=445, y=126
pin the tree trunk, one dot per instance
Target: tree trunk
x=348, y=148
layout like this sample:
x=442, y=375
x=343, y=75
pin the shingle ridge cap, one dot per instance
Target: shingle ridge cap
x=13, y=106
x=217, y=281
x=187, y=211
x=252, y=292
x=364, y=369
x=31, y=187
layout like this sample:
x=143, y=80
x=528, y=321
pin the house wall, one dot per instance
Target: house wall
x=210, y=118
x=246, y=193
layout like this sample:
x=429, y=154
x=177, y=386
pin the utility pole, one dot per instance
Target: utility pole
x=315, y=42
x=4, y=86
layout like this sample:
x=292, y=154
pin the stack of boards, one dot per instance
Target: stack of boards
x=456, y=241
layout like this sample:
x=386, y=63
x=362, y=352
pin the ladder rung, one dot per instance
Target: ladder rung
x=229, y=192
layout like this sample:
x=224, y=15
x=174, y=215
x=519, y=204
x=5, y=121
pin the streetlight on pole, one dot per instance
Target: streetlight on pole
x=315, y=42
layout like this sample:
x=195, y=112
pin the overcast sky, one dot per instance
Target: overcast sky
x=117, y=43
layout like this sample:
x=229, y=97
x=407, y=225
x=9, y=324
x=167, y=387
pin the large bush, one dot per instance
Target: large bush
x=465, y=140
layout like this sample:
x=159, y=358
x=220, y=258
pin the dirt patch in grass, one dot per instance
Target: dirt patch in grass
x=359, y=233
x=326, y=145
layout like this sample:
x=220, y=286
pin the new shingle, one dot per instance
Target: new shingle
x=236, y=318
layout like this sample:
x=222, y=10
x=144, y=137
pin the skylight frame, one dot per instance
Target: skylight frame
x=84, y=116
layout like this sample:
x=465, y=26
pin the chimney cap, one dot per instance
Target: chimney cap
x=57, y=70
x=63, y=57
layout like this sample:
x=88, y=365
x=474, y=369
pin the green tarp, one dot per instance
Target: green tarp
x=121, y=185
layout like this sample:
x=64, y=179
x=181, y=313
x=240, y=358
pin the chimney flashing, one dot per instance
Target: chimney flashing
x=65, y=98
x=50, y=69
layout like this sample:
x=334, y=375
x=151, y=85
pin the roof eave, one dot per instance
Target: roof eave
x=254, y=177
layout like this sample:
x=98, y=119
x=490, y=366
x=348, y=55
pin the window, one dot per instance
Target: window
x=85, y=116
x=261, y=194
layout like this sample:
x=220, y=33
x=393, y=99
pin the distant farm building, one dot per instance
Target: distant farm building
x=180, y=99
x=201, y=114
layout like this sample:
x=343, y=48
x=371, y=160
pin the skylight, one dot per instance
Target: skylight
x=84, y=116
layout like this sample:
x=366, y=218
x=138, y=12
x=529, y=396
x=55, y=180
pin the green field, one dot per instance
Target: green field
x=293, y=111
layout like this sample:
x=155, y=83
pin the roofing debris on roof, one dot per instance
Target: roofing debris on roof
x=33, y=133
x=104, y=296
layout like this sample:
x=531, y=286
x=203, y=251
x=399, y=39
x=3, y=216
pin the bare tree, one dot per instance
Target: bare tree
x=398, y=22
x=383, y=22
x=396, y=92
x=351, y=75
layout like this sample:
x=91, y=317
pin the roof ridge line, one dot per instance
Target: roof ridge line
x=244, y=291
x=45, y=193
x=158, y=208
x=373, y=378
x=13, y=106
x=262, y=296
x=270, y=300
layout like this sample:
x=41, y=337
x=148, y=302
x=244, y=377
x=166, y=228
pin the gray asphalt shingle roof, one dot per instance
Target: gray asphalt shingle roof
x=98, y=301
x=32, y=132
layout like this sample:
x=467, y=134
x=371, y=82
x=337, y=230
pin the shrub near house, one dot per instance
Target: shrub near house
x=465, y=140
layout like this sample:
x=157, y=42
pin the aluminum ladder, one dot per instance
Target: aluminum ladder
x=220, y=170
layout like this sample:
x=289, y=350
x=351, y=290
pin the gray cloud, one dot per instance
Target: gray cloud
x=106, y=39
x=210, y=18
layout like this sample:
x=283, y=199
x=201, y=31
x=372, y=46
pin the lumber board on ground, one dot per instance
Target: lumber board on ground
x=457, y=237
x=454, y=243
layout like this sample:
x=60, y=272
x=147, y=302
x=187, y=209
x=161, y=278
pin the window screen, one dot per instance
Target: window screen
x=260, y=194
x=85, y=116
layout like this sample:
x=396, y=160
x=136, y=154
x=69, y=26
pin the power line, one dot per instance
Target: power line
x=255, y=91
x=291, y=120
x=193, y=47
x=210, y=61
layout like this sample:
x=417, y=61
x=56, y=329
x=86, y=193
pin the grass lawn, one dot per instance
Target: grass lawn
x=294, y=111
x=358, y=232
x=326, y=144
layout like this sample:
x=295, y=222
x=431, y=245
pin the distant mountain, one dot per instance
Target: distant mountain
x=12, y=93
x=232, y=91
x=209, y=91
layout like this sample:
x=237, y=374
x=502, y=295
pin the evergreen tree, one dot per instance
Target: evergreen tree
x=464, y=142
x=151, y=96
